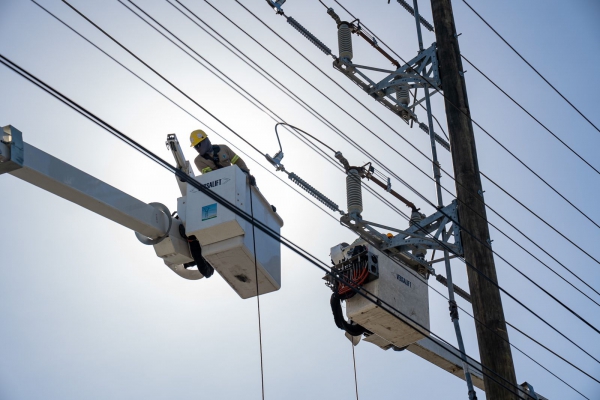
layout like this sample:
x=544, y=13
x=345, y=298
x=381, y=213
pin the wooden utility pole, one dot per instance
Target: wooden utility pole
x=494, y=351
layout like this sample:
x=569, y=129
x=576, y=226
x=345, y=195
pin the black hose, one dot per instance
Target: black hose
x=196, y=250
x=340, y=321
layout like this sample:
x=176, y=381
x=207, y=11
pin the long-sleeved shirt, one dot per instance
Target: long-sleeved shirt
x=226, y=158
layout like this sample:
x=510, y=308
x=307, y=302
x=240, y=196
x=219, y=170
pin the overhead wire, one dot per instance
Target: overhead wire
x=468, y=264
x=531, y=66
x=577, y=315
x=310, y=145
x=467, y=115
x=423, y=172
x=512, y=197
x=531, y=115
x=264, y=228
x=479, y=272
x=291, y=94
x=115, y=60
x=494, y=332
x=497, y=87
x=183, y=109
x=487, y=245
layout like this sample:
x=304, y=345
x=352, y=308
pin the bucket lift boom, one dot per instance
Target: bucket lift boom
x=224, y=240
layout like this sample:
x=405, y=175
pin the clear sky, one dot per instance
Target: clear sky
x=86, y=311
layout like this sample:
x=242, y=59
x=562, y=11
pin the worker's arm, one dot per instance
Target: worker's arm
x=236, y=160
x=203, y=164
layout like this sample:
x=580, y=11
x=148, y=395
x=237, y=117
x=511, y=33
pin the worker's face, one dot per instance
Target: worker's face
x=204, y=146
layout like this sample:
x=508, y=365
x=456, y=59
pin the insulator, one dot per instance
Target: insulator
x=345, y=41
x=312, y=38
x=354, y=192
x=403, y=96
x=313, y=192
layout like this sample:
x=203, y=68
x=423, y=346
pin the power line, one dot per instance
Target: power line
x=366, y=153
x=516, y=200
x=215, y=132
x=525, y=354
x=449, y=175
x=441, y=243
x=493, y=83
x=184, y=110
x=531, y=66
x=510, y=264
x=531, y=115
x=310, y=145
x=264, y=228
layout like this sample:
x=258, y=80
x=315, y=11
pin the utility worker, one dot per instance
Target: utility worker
x=212, y=157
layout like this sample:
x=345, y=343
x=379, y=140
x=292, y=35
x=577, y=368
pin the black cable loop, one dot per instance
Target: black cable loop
x=267, y=230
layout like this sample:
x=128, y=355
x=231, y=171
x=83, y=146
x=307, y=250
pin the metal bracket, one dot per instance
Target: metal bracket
x=419, y=72
x=429, y=233
x=12, y=155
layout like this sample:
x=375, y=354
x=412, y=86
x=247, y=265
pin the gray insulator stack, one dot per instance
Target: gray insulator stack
x=403, y=96
x=345, y=41
x=354, y=192
x=312, y=38
x=313, y=192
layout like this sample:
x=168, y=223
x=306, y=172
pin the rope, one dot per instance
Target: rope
x=262, y=376
x=354, y=362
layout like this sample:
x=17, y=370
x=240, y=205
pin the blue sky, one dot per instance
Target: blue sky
x=88, y=312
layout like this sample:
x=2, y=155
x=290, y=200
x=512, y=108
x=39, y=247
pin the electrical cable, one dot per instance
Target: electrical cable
x=354, y=363
x=531, y=115
x=518, y=230
x=511, y=265
x=577, y=315
x=309, y=257
x=525, y=354
x=499, y=88
x=417, y=192
x=295, y=97
x=196, y=118
x=531, y=66
x=319, y=151
x=237, y=89
x=513, y=198
x=186, y=111
x=423, y=172
x=262, y=374
x=515, y=156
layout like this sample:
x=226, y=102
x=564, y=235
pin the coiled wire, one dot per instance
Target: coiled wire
x=312, y=38
x=313, y=192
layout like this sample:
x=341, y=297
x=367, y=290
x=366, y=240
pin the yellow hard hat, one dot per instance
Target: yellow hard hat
x=197, y=136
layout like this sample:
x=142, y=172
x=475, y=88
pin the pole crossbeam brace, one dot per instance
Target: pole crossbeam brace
x=401, y=246
x=419, y=72
x=32, y=165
